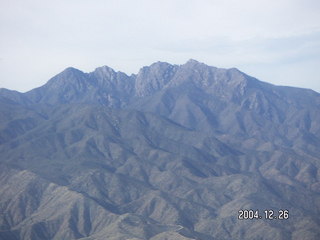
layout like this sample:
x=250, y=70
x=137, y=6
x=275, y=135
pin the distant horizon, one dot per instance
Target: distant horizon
x=135, y=73
x=275, y=41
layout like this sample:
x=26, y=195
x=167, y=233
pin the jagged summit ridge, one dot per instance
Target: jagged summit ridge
x=154, y=78
x=108, y=87
x=147, y=81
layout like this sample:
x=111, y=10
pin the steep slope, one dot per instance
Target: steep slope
x=173, y=152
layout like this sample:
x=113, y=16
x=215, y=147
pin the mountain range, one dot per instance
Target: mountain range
x=173, y=152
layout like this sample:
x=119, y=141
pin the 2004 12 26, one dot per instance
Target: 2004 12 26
x=267, y=214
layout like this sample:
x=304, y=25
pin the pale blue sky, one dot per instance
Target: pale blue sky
x=277, y=41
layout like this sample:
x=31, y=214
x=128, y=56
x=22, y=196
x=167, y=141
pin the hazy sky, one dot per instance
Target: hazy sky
x=277, y=41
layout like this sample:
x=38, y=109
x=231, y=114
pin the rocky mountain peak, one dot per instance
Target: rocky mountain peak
x=104, y=73
x=68, y=76
x=192, y=62
x=154, y=77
